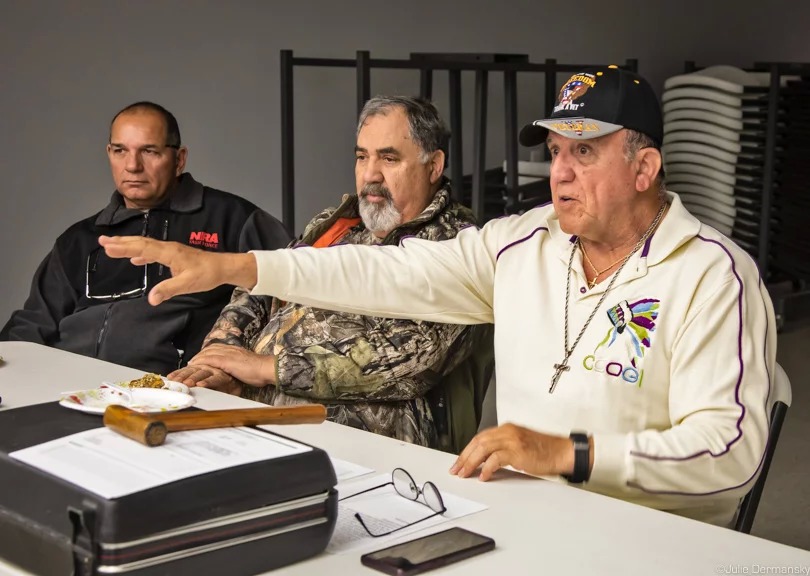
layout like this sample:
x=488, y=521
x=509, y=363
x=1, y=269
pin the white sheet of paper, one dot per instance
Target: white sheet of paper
x=112, y=466
x=382, y=510
x=347, y=470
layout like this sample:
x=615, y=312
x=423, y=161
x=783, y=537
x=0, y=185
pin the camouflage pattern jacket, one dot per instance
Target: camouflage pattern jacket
x=382, y=375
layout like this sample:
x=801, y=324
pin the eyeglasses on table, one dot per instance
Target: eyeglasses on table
x=406, y=486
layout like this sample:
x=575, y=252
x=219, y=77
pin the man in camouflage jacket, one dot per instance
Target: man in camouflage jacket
x=416, y=381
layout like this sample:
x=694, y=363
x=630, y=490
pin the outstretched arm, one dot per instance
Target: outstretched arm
x=450, y=281
x=192, y=270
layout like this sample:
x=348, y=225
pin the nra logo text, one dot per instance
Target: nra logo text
x=206, y=239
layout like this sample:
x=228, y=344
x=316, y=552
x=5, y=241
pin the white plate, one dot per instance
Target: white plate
x=167, y=385
x=96, y=400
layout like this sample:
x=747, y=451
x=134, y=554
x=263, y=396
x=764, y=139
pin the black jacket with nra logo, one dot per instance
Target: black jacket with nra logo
x=84, y=302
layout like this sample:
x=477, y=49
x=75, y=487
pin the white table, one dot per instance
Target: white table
x=539, y=527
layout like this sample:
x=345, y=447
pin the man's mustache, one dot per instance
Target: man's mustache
x=375, y=190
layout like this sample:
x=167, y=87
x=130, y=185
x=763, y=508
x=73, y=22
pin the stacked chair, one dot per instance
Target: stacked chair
x=534, y=187
x=714, y=147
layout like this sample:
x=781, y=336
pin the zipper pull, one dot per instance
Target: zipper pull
x=165, y=236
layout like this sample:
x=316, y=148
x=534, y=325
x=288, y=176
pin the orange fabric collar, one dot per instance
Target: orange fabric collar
x=337, y=231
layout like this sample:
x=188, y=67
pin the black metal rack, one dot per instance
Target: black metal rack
x=777, y=71
x=794, y=303
x=427, y=64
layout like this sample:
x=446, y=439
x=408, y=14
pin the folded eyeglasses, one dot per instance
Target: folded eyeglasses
x=406, y=487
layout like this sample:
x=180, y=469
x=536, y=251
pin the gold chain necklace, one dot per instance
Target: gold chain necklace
x=598, y=273
x=563, y=366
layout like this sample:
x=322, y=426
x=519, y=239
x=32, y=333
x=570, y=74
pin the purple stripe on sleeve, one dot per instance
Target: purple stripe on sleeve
x=737, y=400
x=516, y=242
x=739, y=377
x=677, y=493
x=736, y=397
x=765, y=349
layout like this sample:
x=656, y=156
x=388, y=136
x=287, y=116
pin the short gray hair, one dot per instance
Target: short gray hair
x=427, y=128
x=635, y=141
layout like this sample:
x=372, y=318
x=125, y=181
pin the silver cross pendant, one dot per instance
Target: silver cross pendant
x=559, y=369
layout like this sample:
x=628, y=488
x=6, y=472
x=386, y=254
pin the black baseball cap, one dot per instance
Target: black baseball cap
x=598, y=102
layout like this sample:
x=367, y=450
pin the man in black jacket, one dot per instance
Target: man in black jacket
x=84, y=302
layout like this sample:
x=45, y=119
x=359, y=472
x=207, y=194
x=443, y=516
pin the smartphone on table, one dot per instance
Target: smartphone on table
x=428, y=552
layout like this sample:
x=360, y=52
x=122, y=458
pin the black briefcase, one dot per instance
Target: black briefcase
x=241, y=520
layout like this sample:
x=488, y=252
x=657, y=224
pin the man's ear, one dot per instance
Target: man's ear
x=649, y=163
x=436, y=163
x=180, y=163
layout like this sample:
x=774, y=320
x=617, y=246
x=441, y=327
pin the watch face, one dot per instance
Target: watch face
x=579, y=439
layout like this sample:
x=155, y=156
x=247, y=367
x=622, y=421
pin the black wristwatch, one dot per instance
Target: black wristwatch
x=582, y=459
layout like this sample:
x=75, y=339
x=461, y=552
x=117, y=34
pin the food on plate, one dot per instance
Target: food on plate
x=146, y=381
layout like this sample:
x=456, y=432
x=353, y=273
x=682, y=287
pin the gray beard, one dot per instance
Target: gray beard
x=379, y=218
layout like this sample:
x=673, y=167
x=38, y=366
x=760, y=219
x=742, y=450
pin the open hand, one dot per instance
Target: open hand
x=192, y=270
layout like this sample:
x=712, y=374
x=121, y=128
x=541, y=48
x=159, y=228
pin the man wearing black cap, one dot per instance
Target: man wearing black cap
x=634, y=345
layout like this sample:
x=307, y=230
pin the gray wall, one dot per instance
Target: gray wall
x=66, y=67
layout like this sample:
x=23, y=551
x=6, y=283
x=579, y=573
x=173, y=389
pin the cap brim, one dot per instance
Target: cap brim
x=536, y=133
x=532, y=135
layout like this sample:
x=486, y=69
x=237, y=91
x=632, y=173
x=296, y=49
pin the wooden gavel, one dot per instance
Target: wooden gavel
x=151, y=429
